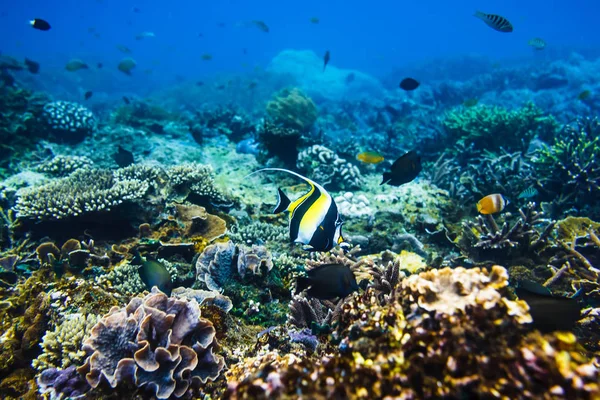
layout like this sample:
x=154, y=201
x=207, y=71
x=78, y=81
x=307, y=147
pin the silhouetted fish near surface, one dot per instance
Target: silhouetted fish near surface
x=144, y=35
x=99, y=65
x=126, y=100
x=314, y=217
x=154, y=273
x=409, y=84
x=32, y=66
x=326, y=59
x=123, y=158
x=315, y=20
x=328, y=282
x=403, y=170
x=40, y=24
x=584, y=95
x=124, y=49
x=350, y=78
x=549, y=313
x=261, y=25
x=495, y=22
x=88, y=95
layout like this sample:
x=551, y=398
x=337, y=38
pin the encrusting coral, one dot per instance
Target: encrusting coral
x=157, y=343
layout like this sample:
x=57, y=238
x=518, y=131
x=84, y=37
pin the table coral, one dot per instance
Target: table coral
x=158, y=343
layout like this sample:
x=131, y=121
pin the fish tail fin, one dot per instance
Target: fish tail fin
x=386, y=178
x=302, y=283
x=282, y=170
x=478, y=14
x=479, y=206
x=283, y=202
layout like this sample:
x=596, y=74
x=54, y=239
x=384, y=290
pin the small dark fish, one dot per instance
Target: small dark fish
x=88, y=95
x=206, y=57
x=221, y=24
x=136, y=10
x=32, y=66
x=350, y=78
x=528, y=193
x=326, y=59
x=220, y=87
x=200, y=35
x=403, y=170
x=123, y=158
x=154, y=273
x=537, y=43
x=99, y=65
x=75, y=65
x=471, y=102
x=244, y=51
x=409, y=84
x=584, y=95
x=495, y=22
x=40, y=24
x=261, y=25
x=199, y=83
x=314, y=20
x=328, y=282
x=126, y=100
x=550, y=313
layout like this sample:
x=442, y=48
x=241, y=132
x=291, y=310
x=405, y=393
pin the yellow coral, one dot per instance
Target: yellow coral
x=410, y=261
x=293, y=109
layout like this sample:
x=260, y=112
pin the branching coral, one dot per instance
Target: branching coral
x=70, y=122
x=293, y=109
x=196, y=179
x=493, y=128
x=158, y=343
x=259, y=232
x=61, y=166
x=326, y=167
x=570, y=168
x=62, y=346
x=83, y=192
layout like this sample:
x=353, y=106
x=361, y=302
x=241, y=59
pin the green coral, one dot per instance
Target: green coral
x=492, y=127
x=62, y=346
x=293, y=109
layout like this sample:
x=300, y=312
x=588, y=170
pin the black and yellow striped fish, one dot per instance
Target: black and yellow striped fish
x=314, y=217
x=494, y=21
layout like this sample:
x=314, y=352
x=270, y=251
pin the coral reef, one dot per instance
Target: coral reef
x=293, y=109
x=352, y=206
x=62, y=383
x=157, y=343
x=67, y=121
x=324, y=166
x=62, y=346
x=259, y=233
x=61, y=166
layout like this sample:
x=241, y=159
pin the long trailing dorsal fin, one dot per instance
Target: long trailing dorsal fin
x=309, y=181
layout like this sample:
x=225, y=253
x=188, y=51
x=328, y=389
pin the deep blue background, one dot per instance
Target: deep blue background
x=373, y=36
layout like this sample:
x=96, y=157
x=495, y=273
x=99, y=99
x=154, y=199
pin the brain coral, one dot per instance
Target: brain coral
x=158, y=343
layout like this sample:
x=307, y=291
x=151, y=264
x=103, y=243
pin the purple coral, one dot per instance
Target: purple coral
x=157, y=342
x=61, y=384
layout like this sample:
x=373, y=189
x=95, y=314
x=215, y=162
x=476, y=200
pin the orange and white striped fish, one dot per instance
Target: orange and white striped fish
x=492, y=204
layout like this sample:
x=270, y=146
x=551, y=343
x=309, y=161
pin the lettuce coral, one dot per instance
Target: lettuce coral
x=158, y=343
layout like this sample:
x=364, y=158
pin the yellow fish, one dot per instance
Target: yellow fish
x=491, y=204
x=370, y=157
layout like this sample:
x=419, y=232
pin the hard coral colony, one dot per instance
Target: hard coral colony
x=296, y=231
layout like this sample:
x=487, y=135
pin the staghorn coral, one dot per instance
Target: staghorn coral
x=492, y=128
x=67, y=121
x=158, y=343
x=61, y=165
x=62, y=346
x=293, y=109
x=326, y=167
x=83, y=192
x=570, y=168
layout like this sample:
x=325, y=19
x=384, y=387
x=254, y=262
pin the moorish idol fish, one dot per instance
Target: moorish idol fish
x=314, y=217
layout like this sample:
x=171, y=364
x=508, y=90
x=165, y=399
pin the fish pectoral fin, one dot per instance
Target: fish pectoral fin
x=283, y=202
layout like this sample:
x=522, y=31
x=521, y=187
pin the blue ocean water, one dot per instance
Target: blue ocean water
x=374, y=37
